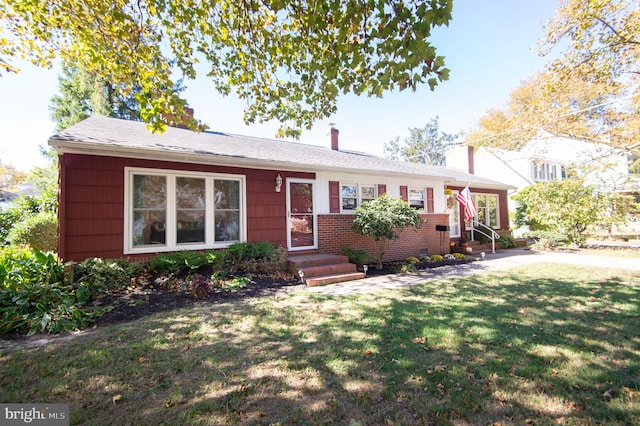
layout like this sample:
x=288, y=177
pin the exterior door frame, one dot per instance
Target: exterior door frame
x=314, y=214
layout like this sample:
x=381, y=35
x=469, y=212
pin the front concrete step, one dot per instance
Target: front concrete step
x=332, y=279
x=308, y=260
x=319, y=269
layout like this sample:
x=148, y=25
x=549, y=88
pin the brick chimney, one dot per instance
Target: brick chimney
x=334, y=137
x=171, y=119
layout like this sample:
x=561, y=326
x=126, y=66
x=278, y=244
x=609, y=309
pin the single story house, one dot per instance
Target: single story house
x=126, y=192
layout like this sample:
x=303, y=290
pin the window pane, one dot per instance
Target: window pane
x=149, y=192
x=368, y=193
x=190, y=193
x=190, y=210
x=349, y=191
x=492, y=200
x=227, y=226
x=481, y=201
x=227, y=210
x=493, y=218
x=149, y=210
x=416, y=199
x=226, y=194
x=349, y=204
x=482, y=216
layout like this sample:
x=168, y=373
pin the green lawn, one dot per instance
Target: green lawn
x=543, y=344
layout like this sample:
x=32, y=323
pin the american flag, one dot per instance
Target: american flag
x=466, y=201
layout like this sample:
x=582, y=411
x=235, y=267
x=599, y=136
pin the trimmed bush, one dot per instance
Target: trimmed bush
x=507, y=241
x=39, y=231
x=357, y=256
x=262, y=257
x=547, y=239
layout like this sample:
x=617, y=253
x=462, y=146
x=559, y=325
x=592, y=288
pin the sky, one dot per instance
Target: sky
x=488, y=46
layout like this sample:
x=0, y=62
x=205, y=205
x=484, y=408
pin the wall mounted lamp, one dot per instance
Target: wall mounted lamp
x=278, y=183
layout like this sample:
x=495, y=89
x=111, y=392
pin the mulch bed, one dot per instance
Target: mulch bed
x=153, y=294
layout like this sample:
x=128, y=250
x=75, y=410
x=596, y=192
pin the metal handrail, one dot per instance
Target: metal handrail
x=492, y=234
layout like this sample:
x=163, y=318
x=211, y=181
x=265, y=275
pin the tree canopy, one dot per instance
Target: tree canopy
x=590, y=91
x=83, y=95
x=427, y=145
x=569, y=207
x=289, y=60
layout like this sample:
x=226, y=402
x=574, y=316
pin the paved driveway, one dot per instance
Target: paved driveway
x=503, y=259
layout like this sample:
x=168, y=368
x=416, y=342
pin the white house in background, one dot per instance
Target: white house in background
x=545, y=158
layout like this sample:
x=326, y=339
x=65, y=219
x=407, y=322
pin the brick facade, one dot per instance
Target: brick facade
x=334, y=233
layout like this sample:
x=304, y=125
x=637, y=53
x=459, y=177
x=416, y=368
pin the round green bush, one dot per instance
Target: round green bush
x=39, y=231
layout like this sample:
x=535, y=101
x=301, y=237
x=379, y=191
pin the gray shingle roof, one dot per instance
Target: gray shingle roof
x=110, y=136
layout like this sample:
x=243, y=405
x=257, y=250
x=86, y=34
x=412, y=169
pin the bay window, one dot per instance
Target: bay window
x=175, y=210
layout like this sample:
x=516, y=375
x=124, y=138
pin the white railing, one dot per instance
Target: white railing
x=492, y=235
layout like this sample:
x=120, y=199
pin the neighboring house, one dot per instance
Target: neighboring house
x=7, y=198
x=125, y=192
x=545, y=158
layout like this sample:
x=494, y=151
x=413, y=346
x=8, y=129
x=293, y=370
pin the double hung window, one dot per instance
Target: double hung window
x=416, y=199
x=353, y=195
x=488, y=212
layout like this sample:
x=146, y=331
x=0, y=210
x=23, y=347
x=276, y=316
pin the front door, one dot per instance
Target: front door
x=301, y=215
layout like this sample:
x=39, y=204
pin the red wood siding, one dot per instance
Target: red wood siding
x=382, y=189
x=334, y=233
x=91, y=211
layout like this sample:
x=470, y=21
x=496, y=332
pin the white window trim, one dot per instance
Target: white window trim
x=170, y=237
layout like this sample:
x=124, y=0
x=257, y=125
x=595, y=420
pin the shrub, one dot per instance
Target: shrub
x=200, y=286
x=459, y=256
x=507, y=241
x=181, y=260
x=383, y=219
x=33, y=297
x=547, y=239
x=96, y=276
x=7, y=219
x=262, y=257
x=39, y=231
x=436, y=258
x=357, y=256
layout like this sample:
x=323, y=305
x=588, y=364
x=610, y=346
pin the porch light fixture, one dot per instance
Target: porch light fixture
x=278, y=183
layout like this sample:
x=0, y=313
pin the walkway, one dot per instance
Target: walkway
x=503, y=259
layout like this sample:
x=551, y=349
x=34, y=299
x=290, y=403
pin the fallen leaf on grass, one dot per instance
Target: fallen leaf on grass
x=116, y=399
